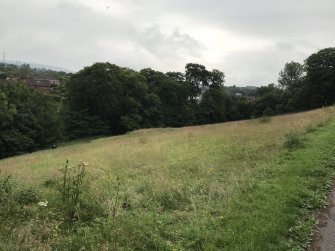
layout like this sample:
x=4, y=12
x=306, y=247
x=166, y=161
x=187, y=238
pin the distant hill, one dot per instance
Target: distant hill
x=39, y=66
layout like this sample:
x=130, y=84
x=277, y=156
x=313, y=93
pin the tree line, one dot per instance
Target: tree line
x=106, y=99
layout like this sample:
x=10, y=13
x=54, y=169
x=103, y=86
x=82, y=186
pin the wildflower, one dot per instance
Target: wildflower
x=43, y=203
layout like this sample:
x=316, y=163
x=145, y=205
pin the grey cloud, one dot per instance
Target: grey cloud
x=284, y=46
x=70, y=34
x=174, y=44
x=258, y=17
x=261, y=67
x=62, y=33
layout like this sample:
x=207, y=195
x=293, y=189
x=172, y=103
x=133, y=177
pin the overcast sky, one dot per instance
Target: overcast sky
x=250, y=41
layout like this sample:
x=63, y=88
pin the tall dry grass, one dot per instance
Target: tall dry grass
x=161, y=187
x=216, y=158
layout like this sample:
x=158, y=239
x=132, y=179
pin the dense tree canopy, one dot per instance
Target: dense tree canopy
x=320, y=78
x=29, y=119
x=105, y=99
x=111, y=96
x=198, y=78
x=7, y=111
x=292, y=75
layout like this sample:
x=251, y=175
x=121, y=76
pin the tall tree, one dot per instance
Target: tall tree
x=217, y=79
x=7, y=110
x=269, y=101
x=108, y=94
x=153, y=78
x=214, y=106
x=198, y=78
x=320, y=79
x=176, y=108
x=29, y=119
x=291, y=76
x=176, y=76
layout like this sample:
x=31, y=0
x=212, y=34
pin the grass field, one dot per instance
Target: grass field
x=246, y=185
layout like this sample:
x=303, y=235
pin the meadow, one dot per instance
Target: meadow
x=245, y=185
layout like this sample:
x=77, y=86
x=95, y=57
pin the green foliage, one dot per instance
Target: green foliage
x=27, y=196
x=214, y=106
x=71, y=188
x=268, y=112
x=311, y=85
x=6, y=185
x=176, y=108
x=131, y=122
x=301, y=234
x=7, y=111
x=294, y=139
x=111, y=95
x=168, y=99
x=30, y=119
x=152, y=111
x=28, y=223
x=80, y=123
x=217, y=79
x=26, y=71
x=105, y=99
x=247, y=91
x=211, y=193
x=270, y=101
x=291, y=75
x=264, y=119
x=320, y=79
x=176, y=76
x=198, y=77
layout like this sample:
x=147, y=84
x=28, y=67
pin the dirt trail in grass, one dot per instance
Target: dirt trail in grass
x=326, y=231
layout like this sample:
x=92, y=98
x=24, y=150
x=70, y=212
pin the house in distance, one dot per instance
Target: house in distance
x=44, y=83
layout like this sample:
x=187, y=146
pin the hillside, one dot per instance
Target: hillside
x=234, y=186
x=38, y=66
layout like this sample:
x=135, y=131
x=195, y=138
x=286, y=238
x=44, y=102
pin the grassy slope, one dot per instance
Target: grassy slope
x=227, y=186
x=285, y=194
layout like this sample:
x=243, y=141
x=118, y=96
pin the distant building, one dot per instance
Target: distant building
x=251, y=98
x=39, y=84
x=44, y=83
x=52, y=80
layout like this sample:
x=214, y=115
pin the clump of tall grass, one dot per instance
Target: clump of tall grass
x=294, y=139
x=64, y=214
x=264, y=119
x=6, y=185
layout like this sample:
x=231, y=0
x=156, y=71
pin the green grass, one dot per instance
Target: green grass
x=246, y=185
x=276, y=215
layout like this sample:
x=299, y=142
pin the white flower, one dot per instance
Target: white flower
x=43, y=203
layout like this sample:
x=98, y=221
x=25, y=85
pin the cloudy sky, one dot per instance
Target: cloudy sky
x=248, y=40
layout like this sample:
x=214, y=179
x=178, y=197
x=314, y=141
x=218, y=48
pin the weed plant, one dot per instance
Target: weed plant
x=71, y=189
